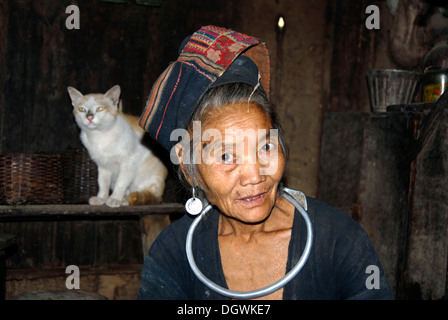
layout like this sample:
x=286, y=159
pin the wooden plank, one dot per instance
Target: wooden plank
x=38, y=273
x=365, y=173
x=57, y=211
x=54, y=243
x=7, y=240
x=356, y=49
x=54, y=235
x=425, y=260
x=117, y=282
x=341, y=151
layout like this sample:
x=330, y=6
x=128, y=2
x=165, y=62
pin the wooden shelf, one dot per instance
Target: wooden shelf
x=152, y=218
x=85, y=211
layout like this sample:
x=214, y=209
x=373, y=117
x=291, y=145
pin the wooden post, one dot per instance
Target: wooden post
x=151, y=226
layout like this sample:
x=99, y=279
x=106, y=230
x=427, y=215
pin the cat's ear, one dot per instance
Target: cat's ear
x=114, y=94
x=74, y=94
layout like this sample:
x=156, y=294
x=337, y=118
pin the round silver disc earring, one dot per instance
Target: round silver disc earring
x=193, y=205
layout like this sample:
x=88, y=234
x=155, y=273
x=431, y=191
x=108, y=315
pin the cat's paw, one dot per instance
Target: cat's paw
x=113, y=203
x=96, y=201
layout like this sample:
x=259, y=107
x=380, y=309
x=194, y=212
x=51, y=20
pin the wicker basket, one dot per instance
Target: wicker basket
x=80, y=177
x=30, y=178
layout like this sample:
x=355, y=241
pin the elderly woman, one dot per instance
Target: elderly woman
x=211, y=110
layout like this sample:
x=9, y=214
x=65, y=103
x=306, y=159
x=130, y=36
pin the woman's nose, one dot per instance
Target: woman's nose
x=250, y=173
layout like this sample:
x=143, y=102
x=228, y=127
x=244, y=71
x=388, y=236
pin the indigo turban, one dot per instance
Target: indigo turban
x=211, y=56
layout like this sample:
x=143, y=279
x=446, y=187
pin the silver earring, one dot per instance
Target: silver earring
x=193, y=205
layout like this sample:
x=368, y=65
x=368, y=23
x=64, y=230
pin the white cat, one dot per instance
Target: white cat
x=113, y=139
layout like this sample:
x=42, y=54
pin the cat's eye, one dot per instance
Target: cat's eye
x=82, y=109
x=99, y=109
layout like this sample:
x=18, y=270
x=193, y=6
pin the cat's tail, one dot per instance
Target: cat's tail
x=143, y=197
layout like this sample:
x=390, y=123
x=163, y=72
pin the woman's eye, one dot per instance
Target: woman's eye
x=227, y=158
x=99, y=109
x=268, y=147
x=82, y=109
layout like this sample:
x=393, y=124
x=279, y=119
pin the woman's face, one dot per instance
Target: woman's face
x=242, y=161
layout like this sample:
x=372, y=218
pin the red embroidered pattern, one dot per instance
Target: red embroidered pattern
x=220, y=46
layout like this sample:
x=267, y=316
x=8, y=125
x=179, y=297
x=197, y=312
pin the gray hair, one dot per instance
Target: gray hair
x=220, y=96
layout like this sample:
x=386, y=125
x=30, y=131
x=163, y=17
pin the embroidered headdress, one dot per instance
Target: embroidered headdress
x=211, y=56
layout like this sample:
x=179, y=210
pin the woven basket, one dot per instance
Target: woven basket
x=80, y=177
x=30, y=178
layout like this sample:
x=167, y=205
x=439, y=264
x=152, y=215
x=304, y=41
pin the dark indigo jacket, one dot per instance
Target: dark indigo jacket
x=337, y=268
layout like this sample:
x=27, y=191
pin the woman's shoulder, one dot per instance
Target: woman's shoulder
x=332, y=223
x=322, y=212
x=348, y=251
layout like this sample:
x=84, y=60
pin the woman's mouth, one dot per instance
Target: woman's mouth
x=253, y=200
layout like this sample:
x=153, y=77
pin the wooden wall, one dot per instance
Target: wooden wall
x=125, y=44
x=424, y=255
x=318, y=64
x=365, y=173
x=131, y=45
